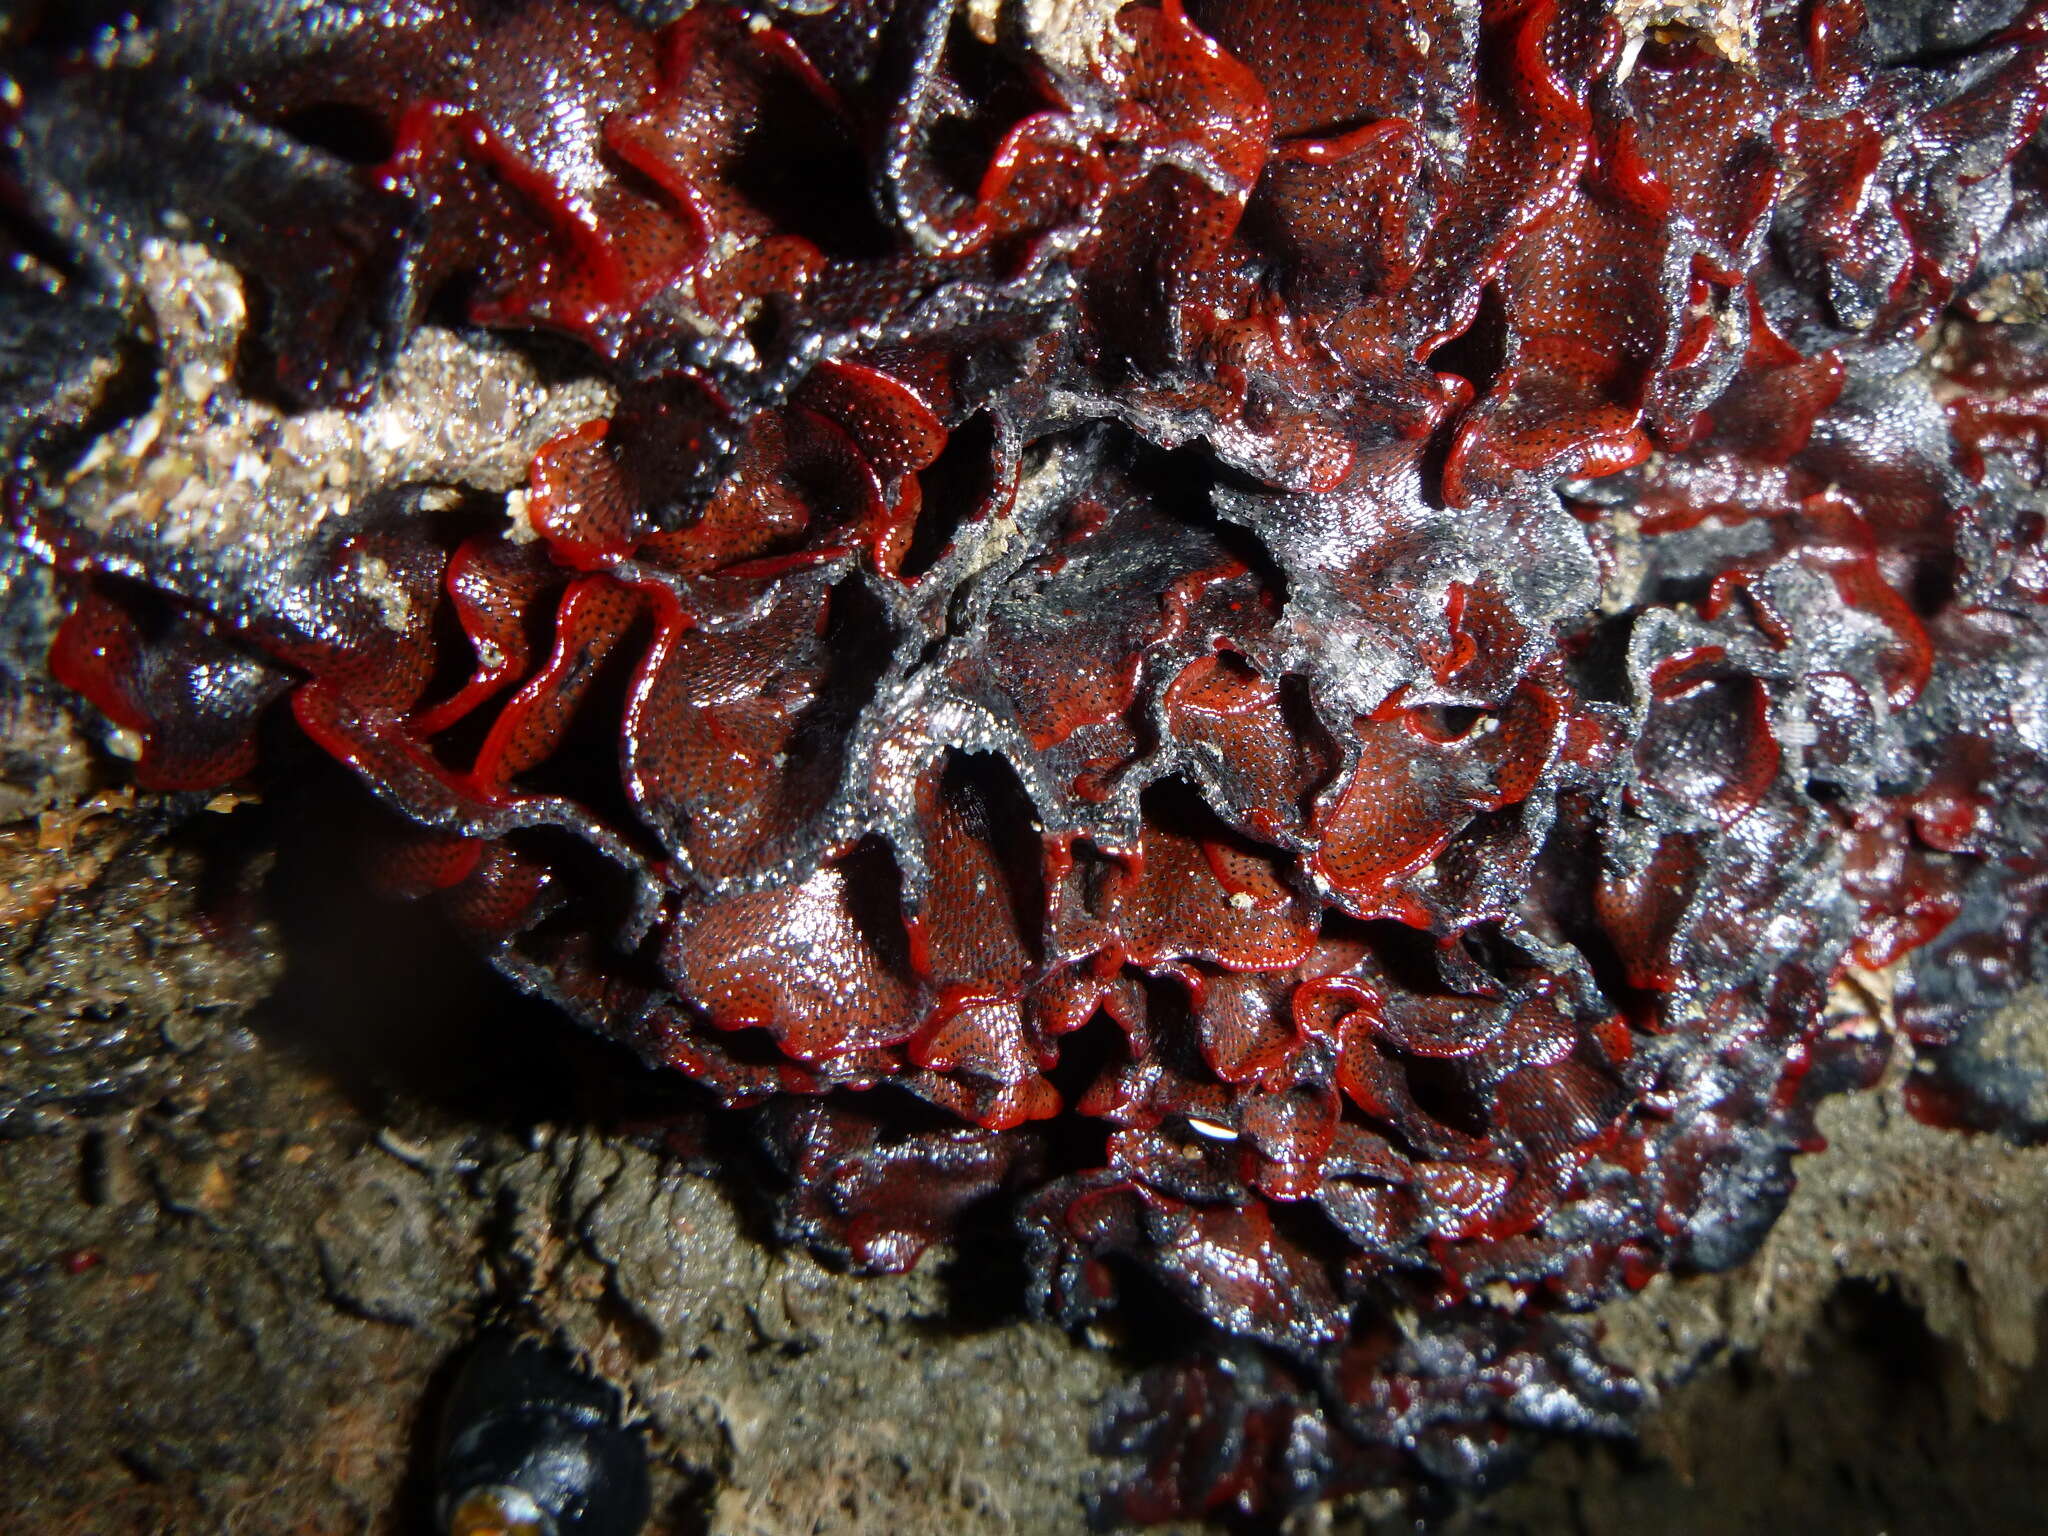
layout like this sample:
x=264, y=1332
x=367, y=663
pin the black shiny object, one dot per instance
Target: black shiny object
x=523, y=1419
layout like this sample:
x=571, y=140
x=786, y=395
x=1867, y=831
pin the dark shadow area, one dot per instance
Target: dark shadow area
x=388, y=998
x=1881, y=1433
